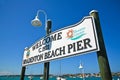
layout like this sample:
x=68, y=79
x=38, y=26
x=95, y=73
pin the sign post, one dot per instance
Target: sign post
x=102, y=55
x=22, y=73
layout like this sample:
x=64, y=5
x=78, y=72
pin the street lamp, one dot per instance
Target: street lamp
x=82, y=70
x=36, y=22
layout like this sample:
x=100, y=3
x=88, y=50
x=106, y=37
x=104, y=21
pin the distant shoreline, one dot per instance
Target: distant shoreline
x=67, y=75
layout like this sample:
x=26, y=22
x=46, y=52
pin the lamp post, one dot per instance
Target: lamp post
x=37, y=22
x=82, y=70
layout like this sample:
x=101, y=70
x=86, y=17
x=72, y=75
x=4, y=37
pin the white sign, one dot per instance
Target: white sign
x=76, y=39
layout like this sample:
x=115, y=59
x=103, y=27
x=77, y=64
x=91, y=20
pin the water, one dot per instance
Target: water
x=53, y=78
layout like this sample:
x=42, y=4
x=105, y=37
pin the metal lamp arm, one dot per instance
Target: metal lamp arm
x=42, y=11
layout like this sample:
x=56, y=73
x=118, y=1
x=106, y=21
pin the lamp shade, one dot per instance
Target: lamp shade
x=36, y=22
x=80, y=66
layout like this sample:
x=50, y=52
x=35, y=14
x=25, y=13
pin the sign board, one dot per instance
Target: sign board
x=76, y=39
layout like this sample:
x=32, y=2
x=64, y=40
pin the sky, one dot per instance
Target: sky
x=16, y=33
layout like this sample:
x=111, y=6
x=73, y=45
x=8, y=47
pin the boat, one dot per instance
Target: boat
x=60, y=78
x=73, y=77
x=30, y=77
x=41, y=77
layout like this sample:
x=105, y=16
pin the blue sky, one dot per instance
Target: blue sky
x=16, y=32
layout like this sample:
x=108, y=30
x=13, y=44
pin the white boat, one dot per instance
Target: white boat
x=60, y=78
x=30, y=77
x=41, y=77
x=73, y=77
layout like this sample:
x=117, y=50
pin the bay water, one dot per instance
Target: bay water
x=53, y=78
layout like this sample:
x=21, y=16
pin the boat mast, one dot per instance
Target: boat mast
x=60, y=67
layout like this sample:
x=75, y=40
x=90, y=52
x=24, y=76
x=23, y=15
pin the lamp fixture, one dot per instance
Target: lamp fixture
x=36, y=22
